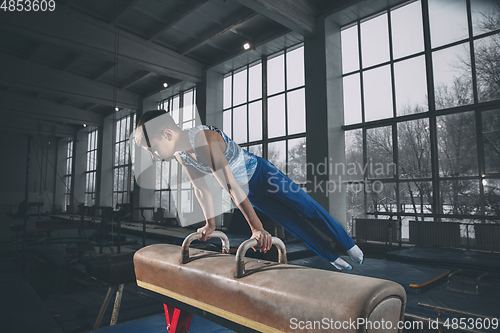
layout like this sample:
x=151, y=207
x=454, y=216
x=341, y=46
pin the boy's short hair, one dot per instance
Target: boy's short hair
x=151, y=124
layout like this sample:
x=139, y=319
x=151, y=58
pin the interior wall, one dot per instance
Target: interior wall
x=106, y=163
x=324, y=119
x=209, y=99
x=43, y=151
x=60, y=186
x=337, y=195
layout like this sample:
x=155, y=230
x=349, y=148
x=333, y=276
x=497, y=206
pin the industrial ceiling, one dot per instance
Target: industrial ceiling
x=72, y=66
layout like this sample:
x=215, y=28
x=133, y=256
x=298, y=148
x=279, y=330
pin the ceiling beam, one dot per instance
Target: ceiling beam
x=72, y=61
x=257, y=44
x=37, y=48
x=20, y=125
x=175, y=17
x=215, y=32
x=124, y=8
x=83, y=34
x=247, y=38
x=69, y=3
x=91, y=106
x=292, y=14
x=344, y=12
x=22, y=105
x=25, y=75
x=135, y=80
x=103, y=71
x=170, y=91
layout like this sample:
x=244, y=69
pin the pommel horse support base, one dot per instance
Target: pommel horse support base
x=268, y=297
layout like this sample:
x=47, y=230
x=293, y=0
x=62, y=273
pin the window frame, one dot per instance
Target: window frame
x=127, y=186
x=478, y=108
x=178, y=205
x=266, y=141
x=68, y=174
x=91, y=167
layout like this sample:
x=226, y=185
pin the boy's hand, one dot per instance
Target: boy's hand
x=264, y=240
x=205, y=231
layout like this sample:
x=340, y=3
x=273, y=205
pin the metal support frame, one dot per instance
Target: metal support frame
x=26, y=195
x=119, y=226
x=178, y=321
x=476, y=282
x=116, y=307
x=142, y=209
x=143, y=228
x=452, y=311
x=104, y=306
x=176, y=304
x=103, y=232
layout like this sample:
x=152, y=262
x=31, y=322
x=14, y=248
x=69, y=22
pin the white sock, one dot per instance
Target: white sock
x=355, y=254
x=341, y=264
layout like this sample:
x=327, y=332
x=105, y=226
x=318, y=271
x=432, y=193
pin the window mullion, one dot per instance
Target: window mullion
x=265, y=131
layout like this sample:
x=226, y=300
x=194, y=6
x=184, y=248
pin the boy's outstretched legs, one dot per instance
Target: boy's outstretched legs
x=277, y=195
x=295, y=225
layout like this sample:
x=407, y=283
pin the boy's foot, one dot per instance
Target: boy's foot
x=341, y=264
x=355, y=254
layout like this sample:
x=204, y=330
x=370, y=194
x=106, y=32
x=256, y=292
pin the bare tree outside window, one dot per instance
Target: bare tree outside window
x=460, y=119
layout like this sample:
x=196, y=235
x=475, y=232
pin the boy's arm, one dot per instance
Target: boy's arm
x=202, y=193
x=212, y=155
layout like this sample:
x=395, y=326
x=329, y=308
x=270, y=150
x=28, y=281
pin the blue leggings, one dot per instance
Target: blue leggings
x=285, y=202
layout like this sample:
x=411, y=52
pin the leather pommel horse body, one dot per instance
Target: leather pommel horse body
x=269, y=297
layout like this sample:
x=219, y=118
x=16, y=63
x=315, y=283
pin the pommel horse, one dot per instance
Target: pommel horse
x=251, y=295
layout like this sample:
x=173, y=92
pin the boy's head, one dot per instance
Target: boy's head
x=155, y=132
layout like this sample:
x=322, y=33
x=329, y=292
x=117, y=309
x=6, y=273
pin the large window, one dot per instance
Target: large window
x=68, y=175
x=270, y=122
x=90, y=173
x=122, y=180
x=174, y=191
x=421, y=110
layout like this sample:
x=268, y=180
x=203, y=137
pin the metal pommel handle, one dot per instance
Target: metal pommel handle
x=197, y=235
x=240, y=254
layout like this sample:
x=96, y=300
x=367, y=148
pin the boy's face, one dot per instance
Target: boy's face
x=162, y=147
